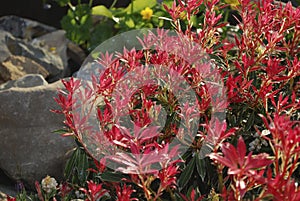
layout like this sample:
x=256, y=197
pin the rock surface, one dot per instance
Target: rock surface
x=56, y=42
x=43, y=44
x=15, y=67
x=49, y=60
x=28, y=149
x=31, y=55
x=24, y=28
x=29, y=80
x=7, y=190
x=4, y=51
x=7, y=187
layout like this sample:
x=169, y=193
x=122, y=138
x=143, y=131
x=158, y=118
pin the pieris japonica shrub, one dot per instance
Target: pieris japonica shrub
x=207, y=111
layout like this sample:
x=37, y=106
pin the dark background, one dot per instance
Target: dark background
x=35, y=9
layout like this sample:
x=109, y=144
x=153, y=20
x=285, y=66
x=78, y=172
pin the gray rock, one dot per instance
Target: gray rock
x=50, y=61
x=45, y=45
x=24, y=28
x=4, y=51
x=28, y=149
x=29, y=80
x=7, y=187
x=15, y=67
x=77, y=57
x=56, y=42
x=7, y=190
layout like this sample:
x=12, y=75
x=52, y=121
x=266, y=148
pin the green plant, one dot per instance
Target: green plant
x=88, y=25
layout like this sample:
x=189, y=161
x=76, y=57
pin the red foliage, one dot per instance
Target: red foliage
x=260, y=67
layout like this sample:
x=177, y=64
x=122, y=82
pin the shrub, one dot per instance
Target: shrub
x=249, y=72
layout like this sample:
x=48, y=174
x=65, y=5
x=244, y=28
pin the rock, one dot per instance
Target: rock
x=56, y=42
x=77, y=57
x=24, y=28
x=28, y=149
x=29, y=80
x=15, y=67
x=7, y=187
x=50, y=61
x=43, y=44
x=71, y=54
x=6, y=190
x=4, y=51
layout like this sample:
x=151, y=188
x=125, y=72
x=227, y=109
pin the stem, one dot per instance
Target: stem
x=156, y=197
x=293, y=167
x=276, y=158
x=146, y=191
x=294, y=44
x=90, y=3
x=131, y=12
x=173, y=198
x=113, y=4
x=226, y=15
x=71, y=6
x=220, y=179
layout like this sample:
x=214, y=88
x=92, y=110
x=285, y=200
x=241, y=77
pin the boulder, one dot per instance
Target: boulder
x=49, y=60
x=76, y=58
x=43, y=44
x=4, y=51
x=7, y=187
x=29, y=150
x=56, y=42
x=29, y=80
x=7, y=191
x=15, y=67
x=24, y=28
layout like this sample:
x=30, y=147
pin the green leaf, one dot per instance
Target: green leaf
x=186, y=174
x=82, y=166
x=62, y=2
x=101, y=32
x=187, y=154
x=129, y=23
x=250, y=121
x=194, y=20
x=157, y=20
x=138, y=5
x=70, y=164
x=102, y=10
x=78, y=23
x=111, y=177
x=76, y=167
x=177, y=196
x=105, y=197
x=61, y=131
x=201, y=167
x=168, y=3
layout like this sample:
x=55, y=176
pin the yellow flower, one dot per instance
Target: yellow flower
x=147, y=13
x=232, y=3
